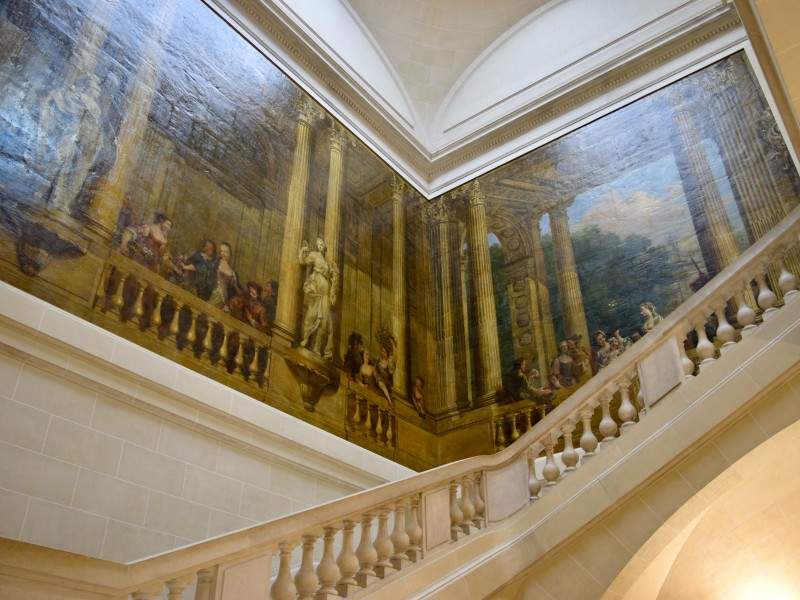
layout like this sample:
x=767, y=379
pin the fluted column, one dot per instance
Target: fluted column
x=721, y=236
x=333, y=216
x=569, y=286
x=490, y=379
x=287, y=312
x=438, y=214
x=103, y=210
x=736, y=130
x=542, y=296
x=399, y=280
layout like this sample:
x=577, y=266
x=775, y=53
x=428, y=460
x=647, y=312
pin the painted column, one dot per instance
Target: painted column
x=490, y=379
x=543, y=292
x=399, y=281
x=736, y=130
x=333, y=217
x=439, y=216
x=287, y=312
x=757, y=195
x=569, y=286
x=721, y=236
x=103, y=210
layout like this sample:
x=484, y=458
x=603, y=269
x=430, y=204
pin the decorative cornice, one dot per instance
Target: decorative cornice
x=433, y=173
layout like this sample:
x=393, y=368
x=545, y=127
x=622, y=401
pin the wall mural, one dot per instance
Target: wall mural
x=164, y=180
x=594, y=238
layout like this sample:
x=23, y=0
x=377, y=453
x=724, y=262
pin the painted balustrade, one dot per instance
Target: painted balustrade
x=130, y=295
x=370, y=419
x=470, y=495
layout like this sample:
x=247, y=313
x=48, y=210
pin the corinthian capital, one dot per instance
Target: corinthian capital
x=339, y=137
x=307, y=110
x=399, y=187
x=475, y=193
x=439, y=210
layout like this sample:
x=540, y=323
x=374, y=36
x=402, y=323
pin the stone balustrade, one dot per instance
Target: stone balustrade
x=370, y=418
x=138, y=298
x=402, y=522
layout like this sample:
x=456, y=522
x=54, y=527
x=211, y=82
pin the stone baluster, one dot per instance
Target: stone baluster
x=379, y=424
x=626, y=411
x=569, y=456
x=400, y=538
x=347, y=562
x=686, y=362
x=588, y=439
x=745, y=316
x=239, y=358
x=283, y=587
x=176, y=587
x=456, y=516
x=138, y=305
x=366, y=553
x=477, y=501
x=369, y=423
x=191, y=335
x=766, y=297
x=499, y=434
x=607, y=426
x=174, y=324
x=208, y=340
x=414, y=530
x=514, y=429
x=118, y=298
x=328, y=571
x=726, y=334
x=158, y=299
x=306, y=580
x=534, y=483
x=706, y=351
x=383, y=545
x=205, y=584
x=223, y=349
x=527, y=420
x=787, y=282
x=551, y=472
x=467, y=507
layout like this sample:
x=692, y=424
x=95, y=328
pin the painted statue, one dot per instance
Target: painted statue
x=319, y=291
x=651, y=316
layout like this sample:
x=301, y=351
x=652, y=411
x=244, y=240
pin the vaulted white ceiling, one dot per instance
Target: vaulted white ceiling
x=446, y=89
x=430, y=43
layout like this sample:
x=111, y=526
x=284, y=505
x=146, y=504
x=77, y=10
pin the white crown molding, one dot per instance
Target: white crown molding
x=604, y=79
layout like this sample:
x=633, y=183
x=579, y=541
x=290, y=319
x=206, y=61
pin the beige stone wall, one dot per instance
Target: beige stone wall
x=780, y=20
x=100, y=460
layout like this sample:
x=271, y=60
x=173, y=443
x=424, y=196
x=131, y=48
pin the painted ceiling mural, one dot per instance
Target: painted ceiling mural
x=161, y=178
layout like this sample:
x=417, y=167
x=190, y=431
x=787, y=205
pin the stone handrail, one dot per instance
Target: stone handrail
x=475, y=492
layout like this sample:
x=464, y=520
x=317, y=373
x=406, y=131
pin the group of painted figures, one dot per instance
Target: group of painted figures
x=574, y=364
x=207, y=272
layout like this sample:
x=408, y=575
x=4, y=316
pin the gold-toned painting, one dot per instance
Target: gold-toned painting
x=163, y=179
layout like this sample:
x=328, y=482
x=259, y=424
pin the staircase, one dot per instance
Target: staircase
x=469, y=527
